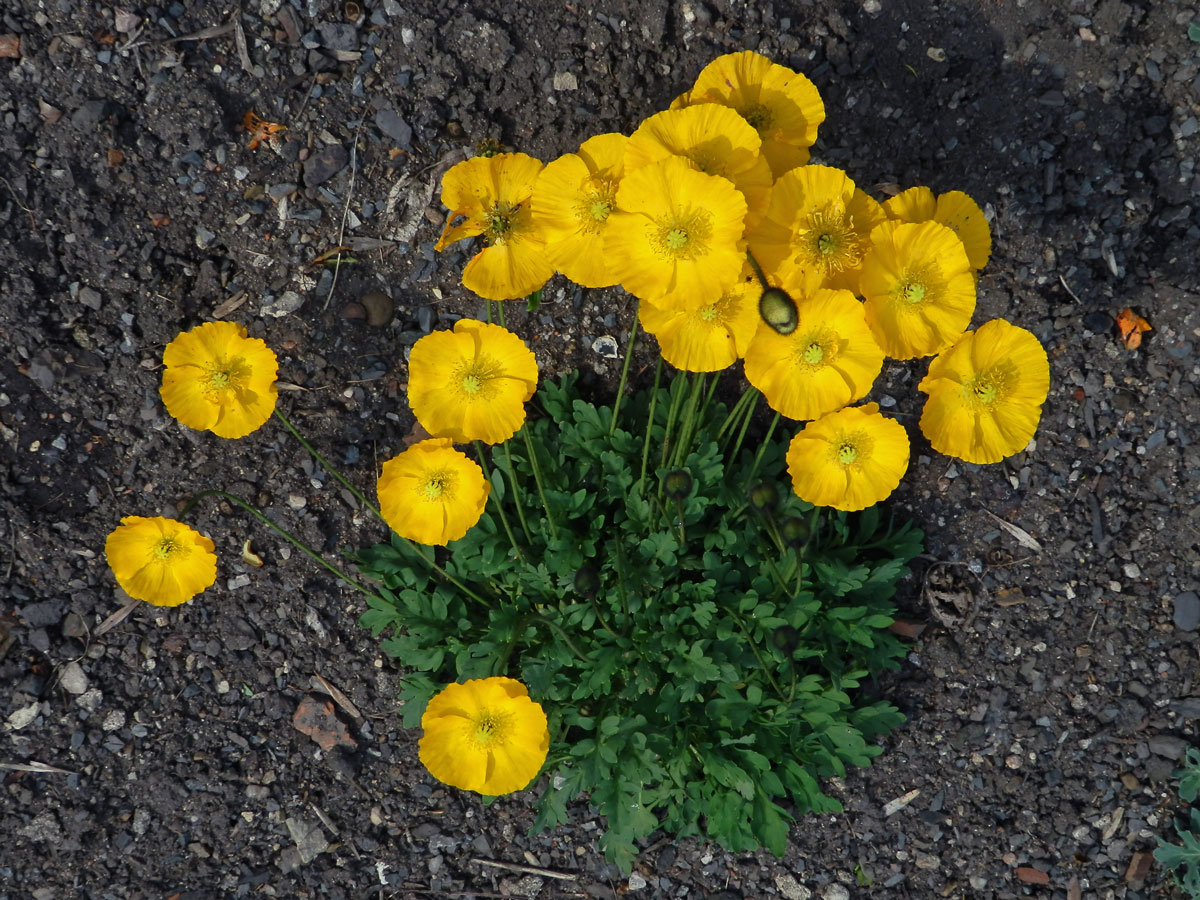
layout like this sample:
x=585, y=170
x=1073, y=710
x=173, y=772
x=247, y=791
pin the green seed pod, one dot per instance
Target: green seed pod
x=786, y=639
x=764, y=496
x=587, y=581
x=677, y=484
x=778, y=310
x=796, y=531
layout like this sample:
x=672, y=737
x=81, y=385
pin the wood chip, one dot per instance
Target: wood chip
x=1073, y=890
x=1139, y=867
x=10, y=46
x=1030, y=875
x=894, y=806
x=338, y=697
x=228, y=305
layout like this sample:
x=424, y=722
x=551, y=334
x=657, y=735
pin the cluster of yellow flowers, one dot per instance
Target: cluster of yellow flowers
x=707, y=205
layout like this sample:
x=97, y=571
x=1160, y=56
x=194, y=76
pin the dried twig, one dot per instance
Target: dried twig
x=117, y=618
x=337, y=266
x=338, y=697
x=1067, y=288
x=44, y=768
x=525, y=870
x=1024, y=538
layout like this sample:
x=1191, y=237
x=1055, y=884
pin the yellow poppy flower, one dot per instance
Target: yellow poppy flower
x=918, y=288
x=484, y=735
x=471, y=384
x=849, y=459
x=676, y=235
x=829, y=359
x=816, y=221
x=955, y=210
x=217, y=379
x=715, y=138
x=572, y=199
x=784, y=107
x=432, y=493
x=160, y=561
x=491, y=194
x=705, y=337
x=985, y=393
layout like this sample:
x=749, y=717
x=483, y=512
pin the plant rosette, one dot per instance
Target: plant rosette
x=696, y=633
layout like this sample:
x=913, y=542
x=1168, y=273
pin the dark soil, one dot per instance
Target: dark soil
x=1046, y=714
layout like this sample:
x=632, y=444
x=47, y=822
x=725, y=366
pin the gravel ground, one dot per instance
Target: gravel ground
x=1050, y=698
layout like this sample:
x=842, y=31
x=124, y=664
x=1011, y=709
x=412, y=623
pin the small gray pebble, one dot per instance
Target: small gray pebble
x=1187, y=611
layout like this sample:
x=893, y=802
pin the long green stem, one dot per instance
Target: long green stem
x=324, y=463
x=757, y=270
x=678, y=387
x=650, y=426
x=762, y=448
x=687, y=428
x=518, y=496
x=754, y=648
x=285, y=534
x=737, y=445
x=612, y=425
x=500, y=312
x=566, y=638
x=739, y=408
x=537, y=476
x=499, y=506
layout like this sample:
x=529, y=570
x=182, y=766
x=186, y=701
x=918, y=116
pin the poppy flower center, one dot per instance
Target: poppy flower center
x=490, y=729
x=437, y=485
x=499, y=221
x=165, y=549
x=759, y=117
x=471, y=384
x=683, y=236
x=827, y=240
x=224, y=376
x=474, y=377
x=814, y=353
x=847, y=453
x=914, y=293
x=990, y=386
x=709, y=313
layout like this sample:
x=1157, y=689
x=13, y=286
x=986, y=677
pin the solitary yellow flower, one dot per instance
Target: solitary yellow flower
x=850, y=459
x=985, y=393
x=918, y=288
x=471, y=384
x=784, y=107
x=432, y=493
x=484, y=735
x=217, y=379
x=572, y=199
x=161, y=561
x=816, y=221
x=676, y=235
x=829, y=360
x=955, y=210
x=492, y=193
x=705, y=337
x=717, y=141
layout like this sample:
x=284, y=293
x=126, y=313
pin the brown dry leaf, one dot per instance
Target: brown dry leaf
x=952, y=601
x=1131, y=326
x=261, y=130
x=415, y=434
x=115, y=158
x=10, y=46
x=910, y=630
x=117, y=618
x=1073, y=890
x=317, y=719
x=1030, y=875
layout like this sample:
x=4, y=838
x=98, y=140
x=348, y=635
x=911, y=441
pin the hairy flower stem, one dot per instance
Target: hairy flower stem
x=736, y=412
x=737, y=445
x=499, y=505
x=324, y=464
x=537, y=476
x=518, y=496
x=757, y=270
x=678, y=388
x=358, y=495
x=650, y=426
x=612, y=425
x=762, y=448
x=687, y=429
x=283, y=533
x=500, y=314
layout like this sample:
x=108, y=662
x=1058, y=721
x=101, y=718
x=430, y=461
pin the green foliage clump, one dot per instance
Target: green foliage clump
x=1183, y=859
x=699, y=636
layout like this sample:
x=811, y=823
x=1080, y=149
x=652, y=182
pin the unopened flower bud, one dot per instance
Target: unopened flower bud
x=796, y=531
x=786, y=639
x=764, y=496
x=587, y=581
x=778, y=310
x=677, y=484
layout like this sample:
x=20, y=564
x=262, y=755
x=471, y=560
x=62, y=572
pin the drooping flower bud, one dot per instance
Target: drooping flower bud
x=587, y=581
x=778, y=310
x=786, y=639
x=796, y=531
x=764, y=496
x=677, y=484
